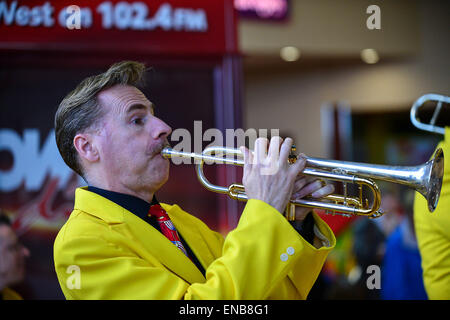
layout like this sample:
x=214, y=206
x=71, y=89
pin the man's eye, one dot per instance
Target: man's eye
x=138, y=121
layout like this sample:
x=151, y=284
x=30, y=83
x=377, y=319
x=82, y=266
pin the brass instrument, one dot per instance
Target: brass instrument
x=425, y=179
x=431, y=127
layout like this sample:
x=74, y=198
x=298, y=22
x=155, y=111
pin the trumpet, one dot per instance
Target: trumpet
x=425, y=179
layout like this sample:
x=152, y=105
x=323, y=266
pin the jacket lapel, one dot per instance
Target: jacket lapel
x=189, y=231
x=161, y=248
x=153, y=241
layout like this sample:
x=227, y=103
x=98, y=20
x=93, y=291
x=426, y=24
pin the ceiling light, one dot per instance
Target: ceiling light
x=290, y=53
x=369, y=56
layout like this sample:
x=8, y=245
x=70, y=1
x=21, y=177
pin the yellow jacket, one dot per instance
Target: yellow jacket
x=433, y=234
x=106, y=252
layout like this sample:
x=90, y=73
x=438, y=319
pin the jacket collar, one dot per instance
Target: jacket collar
x=133, y=204
x=98, y=206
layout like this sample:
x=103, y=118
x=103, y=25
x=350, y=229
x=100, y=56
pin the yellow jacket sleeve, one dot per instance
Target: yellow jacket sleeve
x=433, y=234
x=258, y=256
x=262, y=258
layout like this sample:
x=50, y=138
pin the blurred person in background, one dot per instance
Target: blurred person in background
x=12, y=260
x=401, y=270
x=366, y=249
x=393, y=208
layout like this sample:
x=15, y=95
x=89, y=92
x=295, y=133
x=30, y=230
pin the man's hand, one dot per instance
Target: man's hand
x=304, y=186
x=267, y=174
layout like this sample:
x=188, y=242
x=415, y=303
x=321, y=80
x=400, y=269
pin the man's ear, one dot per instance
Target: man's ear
x=87, y=150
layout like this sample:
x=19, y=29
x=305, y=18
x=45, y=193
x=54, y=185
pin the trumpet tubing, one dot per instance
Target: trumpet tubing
x=425, y=179
x=440, y=100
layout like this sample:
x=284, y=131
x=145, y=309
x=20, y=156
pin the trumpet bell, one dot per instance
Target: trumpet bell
x=432, y=187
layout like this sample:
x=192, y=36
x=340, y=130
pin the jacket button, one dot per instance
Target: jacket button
x=290, y=251
x=284, y=257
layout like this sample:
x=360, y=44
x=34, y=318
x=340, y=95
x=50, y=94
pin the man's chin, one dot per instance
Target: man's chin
x=163, y=175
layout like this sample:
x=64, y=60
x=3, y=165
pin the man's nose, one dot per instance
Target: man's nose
x=160, y=129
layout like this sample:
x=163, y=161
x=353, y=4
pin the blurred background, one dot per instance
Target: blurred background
x=336, y=77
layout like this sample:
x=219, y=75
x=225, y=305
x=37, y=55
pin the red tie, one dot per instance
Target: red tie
x=166, y=226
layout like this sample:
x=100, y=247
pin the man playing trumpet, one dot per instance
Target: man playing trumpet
x=126, y=245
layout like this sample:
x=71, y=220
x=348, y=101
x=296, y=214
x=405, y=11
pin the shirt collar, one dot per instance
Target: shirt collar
x=131, y=203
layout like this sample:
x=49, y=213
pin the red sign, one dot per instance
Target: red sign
x=159, y=27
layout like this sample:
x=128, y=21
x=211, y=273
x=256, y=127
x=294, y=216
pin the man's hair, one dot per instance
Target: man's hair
x=80, y=109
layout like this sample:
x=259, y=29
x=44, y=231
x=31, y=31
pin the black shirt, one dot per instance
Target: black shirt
x=140, y=208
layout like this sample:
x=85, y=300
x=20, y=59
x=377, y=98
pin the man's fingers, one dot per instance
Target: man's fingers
x=274, y=148
x=285, y=150
x=315, y=189
x=248, y=156
x=324, y=191
x=301, y=182
x=248, y=160
x=260, y=149
x=298, y=166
